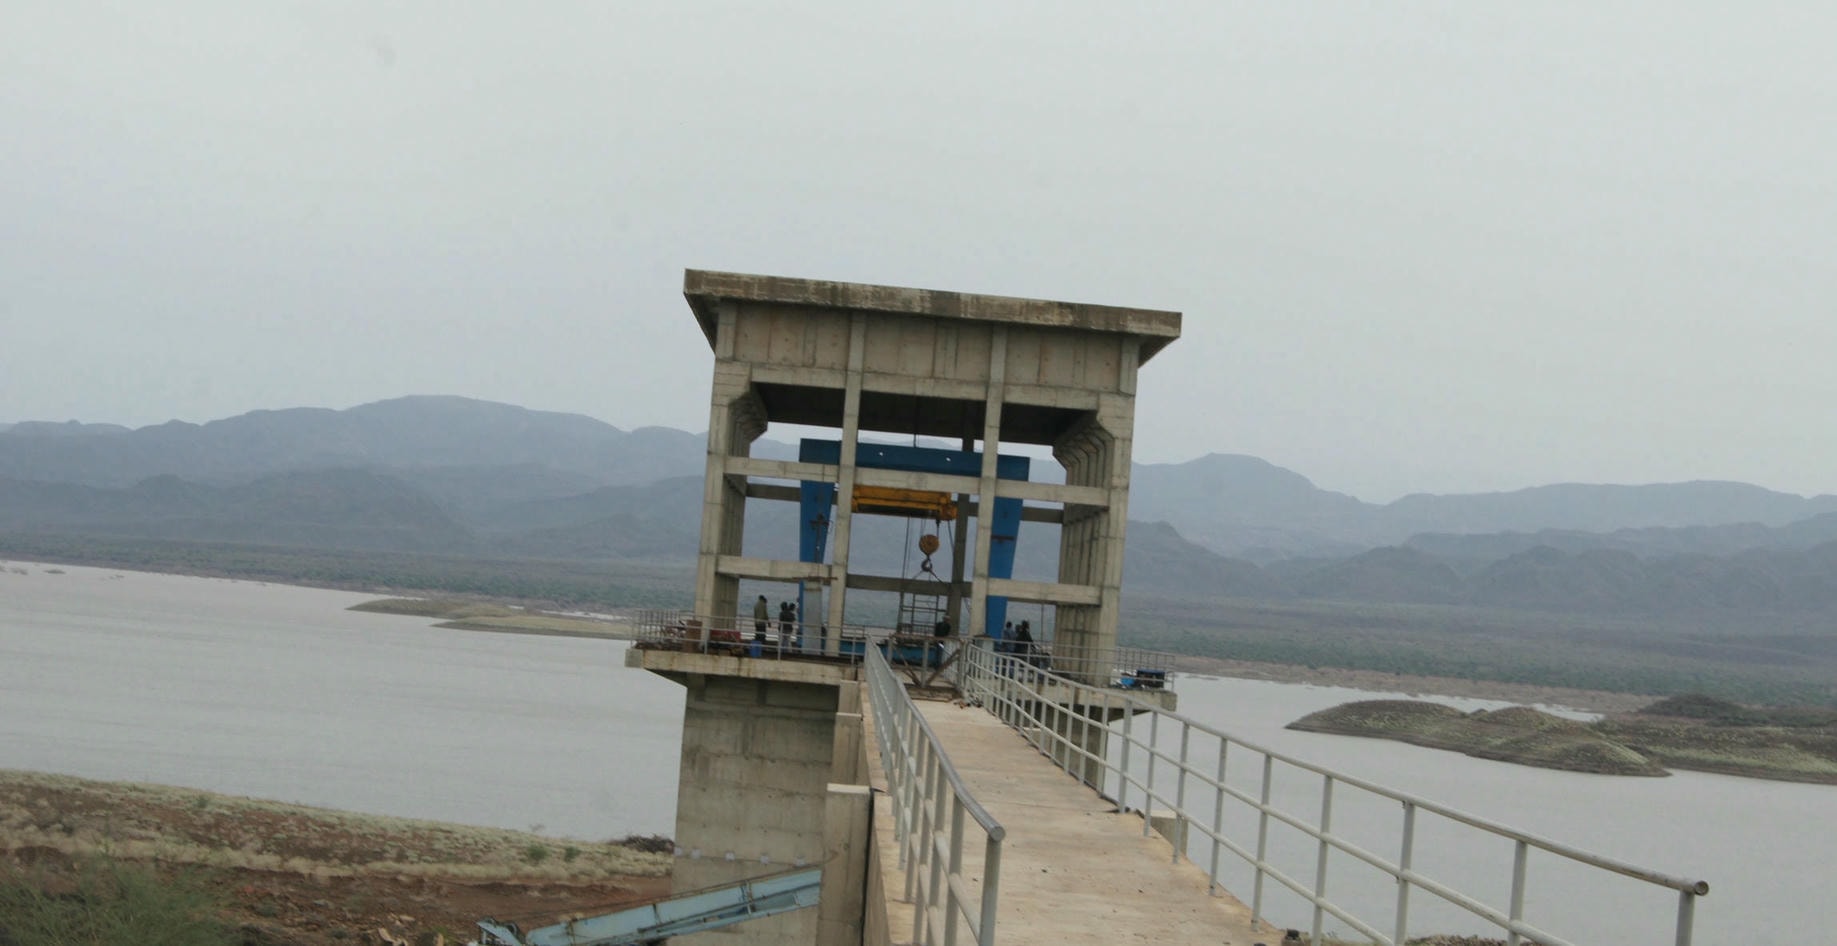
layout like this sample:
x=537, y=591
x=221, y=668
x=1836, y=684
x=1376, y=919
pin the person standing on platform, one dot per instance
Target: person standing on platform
x=761, y=616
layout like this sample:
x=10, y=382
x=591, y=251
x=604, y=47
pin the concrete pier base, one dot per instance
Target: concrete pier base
x=757, y=785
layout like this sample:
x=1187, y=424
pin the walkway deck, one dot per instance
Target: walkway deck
x=1074, y=871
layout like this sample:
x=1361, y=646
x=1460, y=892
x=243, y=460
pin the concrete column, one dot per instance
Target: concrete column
x=850, y=763
x=1118, y=428
x=845, y=484
x=959, y=545
x=732, y=383
x=846, y=830
x=985, y=499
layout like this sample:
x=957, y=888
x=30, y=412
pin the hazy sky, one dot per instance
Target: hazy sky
x=1419, y=246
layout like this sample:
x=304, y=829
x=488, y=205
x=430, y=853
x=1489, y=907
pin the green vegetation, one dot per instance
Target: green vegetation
x=1687, y=732
x=484, y=616
x=1517, y=734
x=114, y=904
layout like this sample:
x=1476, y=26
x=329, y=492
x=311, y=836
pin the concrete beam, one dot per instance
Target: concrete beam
x=680, y=667
x=706, y=290
x=901, y=585
x=835, y=379
x=1052, y=395
x=773, y=491
x=782, y=469
x=1028, y=513
x=1052, y=493
x=911, y=479
x=1045, y=592
x=771, y=569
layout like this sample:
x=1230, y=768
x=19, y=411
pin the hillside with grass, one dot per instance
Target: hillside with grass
x=122, y=864
x=1795, y=744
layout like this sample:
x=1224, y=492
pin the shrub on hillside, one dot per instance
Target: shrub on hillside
x=112, y=904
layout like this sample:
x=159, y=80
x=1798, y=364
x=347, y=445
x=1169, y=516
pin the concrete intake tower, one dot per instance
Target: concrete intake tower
x=768, y=758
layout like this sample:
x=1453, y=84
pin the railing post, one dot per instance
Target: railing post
x=991, y=890
x=1687, y=909
x=1186, y=738
x=1148, y=785
x=1084, y=746
x=954, y=869
x=1122, y=784
x=1256, y=895
x=1402, y=928
x=942, y=798
x=1519, y=852
x=1320, y=856
x=914, y=852
x=1218, y=815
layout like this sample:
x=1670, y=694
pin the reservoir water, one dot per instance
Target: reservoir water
x=279, y=692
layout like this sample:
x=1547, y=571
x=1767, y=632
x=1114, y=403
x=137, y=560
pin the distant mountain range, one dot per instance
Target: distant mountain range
x=1244, y=506
x=455, y=476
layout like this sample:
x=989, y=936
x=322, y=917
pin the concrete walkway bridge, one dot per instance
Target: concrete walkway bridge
x=969, y=795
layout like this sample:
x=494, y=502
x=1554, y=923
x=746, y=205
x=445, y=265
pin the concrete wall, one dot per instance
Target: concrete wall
x=935, y=350
x=756, y=770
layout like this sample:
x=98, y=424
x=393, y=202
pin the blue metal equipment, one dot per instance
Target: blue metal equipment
x=695, y=912
x=1002, y=517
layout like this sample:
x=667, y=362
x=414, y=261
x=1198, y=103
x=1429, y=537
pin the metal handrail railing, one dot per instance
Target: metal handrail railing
x=930, y=805
x=1059, y=723
x=1121, y=667
x=741, y=636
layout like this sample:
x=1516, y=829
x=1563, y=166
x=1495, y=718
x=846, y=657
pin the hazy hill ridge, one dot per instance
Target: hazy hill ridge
x=425, y=431
x=478, y=452
x=466, y=477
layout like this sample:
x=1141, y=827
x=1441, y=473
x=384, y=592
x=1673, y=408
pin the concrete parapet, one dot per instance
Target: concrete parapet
x=678, y=666
x=849, y=765
x=846, y=831
x=1171, y=826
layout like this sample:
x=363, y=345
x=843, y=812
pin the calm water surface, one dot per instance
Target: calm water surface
x=278, y=692
x=1768, y=849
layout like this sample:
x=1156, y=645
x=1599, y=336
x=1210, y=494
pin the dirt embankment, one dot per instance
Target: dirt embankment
x=291, y=875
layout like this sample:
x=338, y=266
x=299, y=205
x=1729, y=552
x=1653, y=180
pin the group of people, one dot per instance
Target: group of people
x=1016, y=640
x=787, y=619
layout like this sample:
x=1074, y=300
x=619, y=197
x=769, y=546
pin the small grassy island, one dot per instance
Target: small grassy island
x=1796, y=744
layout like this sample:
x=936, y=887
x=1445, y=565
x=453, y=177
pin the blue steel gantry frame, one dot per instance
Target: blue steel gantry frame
x=1003, y=520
